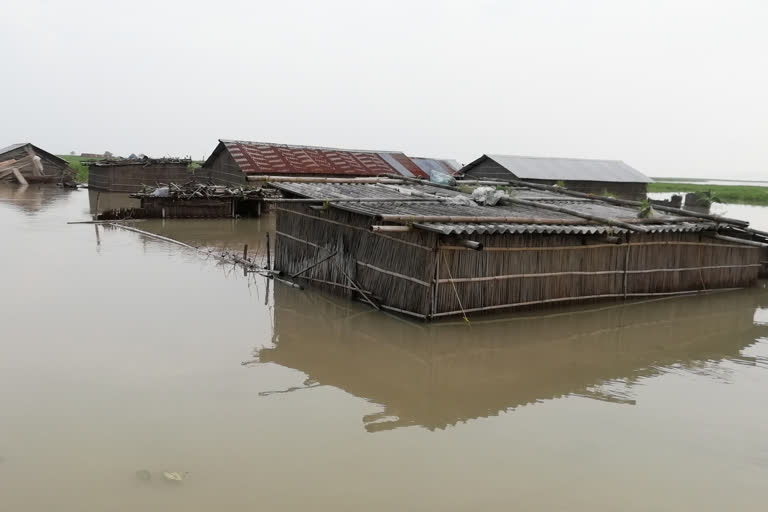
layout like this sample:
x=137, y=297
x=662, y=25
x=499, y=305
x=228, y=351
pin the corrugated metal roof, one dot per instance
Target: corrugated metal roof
x=428, y=165
x=566, y=169
x=276, y=159
x=12, y=147
x=441, y=208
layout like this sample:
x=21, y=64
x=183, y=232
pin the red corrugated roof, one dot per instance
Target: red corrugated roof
x=266, y=158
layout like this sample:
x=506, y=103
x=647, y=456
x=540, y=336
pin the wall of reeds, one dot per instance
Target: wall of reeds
x=396, y=268
x=129, y=178
x=408, y=273
x=530, y=270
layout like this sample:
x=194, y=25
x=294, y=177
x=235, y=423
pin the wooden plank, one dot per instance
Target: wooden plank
x=19, y=177
x=6, y=163
x=31, y=154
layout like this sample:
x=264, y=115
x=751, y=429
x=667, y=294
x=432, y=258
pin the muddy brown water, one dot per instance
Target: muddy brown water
x=120, y=353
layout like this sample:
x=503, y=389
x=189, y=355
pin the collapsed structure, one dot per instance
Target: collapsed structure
x=27, y=163
x=430, y=252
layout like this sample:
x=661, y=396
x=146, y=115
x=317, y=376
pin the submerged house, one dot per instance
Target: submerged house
x=592, y=176
x=428, y=252
x=233, y=161
x=130, y=176
x=35, y=165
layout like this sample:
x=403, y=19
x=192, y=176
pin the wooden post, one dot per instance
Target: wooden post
x=269, y=256
x=19, y=177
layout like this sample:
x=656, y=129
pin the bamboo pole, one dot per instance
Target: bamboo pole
x=595, y=246
x=297, y=274
x=751, y=243
x=354, y=284
x=449, y=219
x=583, y=297
x=575, y=213
x=391, y=229
x=151, y=235
x=470, y=244
x=316, y=179
x=592, y=273
x=355, y=200
x=611, y=200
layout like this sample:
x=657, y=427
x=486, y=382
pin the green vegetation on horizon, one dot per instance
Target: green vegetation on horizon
x=740, y=194
x=76, y=162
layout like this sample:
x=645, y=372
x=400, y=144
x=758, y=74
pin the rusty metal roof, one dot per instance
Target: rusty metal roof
x=441, y=207
x=283, y=159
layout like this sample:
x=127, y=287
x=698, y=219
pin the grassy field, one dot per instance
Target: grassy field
x=741, y=194
x=76, y=162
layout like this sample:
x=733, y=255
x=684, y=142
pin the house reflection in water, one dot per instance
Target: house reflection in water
x=435, y=375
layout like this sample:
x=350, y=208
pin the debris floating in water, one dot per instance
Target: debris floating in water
x=173, y=476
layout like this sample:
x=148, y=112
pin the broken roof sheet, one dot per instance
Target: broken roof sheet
x=283, y=159
x=443, y=208
x=430, y=165
x=566, y=169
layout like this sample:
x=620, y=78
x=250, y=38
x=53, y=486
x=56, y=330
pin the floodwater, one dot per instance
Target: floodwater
x=120, y=353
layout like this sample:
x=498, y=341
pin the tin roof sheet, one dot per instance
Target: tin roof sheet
x=277, y=159
x=440, y=207
x=566, y=169
x=429, y=165
x=12, y=147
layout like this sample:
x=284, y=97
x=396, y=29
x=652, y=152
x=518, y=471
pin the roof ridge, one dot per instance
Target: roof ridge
x=491, y=155
x=299, y=146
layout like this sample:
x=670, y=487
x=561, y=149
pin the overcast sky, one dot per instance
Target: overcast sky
x=674, y=88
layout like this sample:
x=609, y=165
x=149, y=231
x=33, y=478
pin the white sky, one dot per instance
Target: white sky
x=674, y=88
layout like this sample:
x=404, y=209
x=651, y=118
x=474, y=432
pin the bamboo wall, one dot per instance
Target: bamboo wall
x=528, y=270
x=406, y=272
x=395, y=268
x=130, y=177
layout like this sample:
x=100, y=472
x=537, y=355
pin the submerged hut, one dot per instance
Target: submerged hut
x=132, y=175
x=233, y=161
x=429, y=252
x=592, y=176
x=33, y=164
